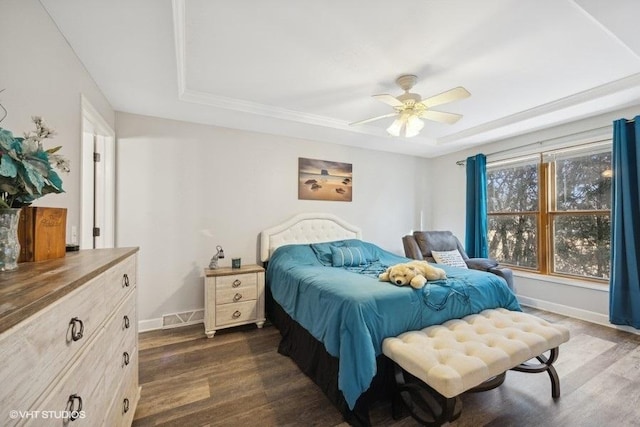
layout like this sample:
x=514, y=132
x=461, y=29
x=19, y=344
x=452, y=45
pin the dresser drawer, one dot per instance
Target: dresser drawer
x=121, y=339
x=123, y=405
x=240, y=312
x=79, y=391
x=241, y=293
x=120, y=280
x=235, y=281
x=35, y=351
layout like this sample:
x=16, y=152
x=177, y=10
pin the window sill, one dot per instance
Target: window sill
x=562, y=280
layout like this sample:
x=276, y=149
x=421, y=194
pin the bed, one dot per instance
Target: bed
x=324, y=296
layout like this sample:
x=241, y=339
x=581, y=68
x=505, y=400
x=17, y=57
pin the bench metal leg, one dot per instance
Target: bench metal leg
x=424, y=404
x=545, y=365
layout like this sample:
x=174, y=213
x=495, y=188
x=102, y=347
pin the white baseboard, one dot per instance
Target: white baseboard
x=149, y=325
x=576, y=313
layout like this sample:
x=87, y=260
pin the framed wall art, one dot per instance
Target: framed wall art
x=324, y=180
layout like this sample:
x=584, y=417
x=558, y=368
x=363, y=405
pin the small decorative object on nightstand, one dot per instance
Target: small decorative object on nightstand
x=232, y=297
x=213, y=264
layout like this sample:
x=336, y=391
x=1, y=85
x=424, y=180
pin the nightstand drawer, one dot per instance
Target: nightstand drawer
x=239, y=294
x=235, y=313
x=236, y=281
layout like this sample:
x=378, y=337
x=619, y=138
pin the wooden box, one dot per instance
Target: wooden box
x=42, y=233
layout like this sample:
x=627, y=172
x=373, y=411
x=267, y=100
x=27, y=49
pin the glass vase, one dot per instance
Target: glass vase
x=9, y=244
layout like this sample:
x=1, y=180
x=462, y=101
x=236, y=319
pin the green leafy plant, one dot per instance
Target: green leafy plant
x=26, y=168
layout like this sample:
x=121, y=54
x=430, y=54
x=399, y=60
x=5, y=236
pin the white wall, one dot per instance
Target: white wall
x=43, y=77
x=184, y=188
x=576, y=298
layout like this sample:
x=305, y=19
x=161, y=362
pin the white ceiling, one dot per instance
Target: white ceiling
x=308, y=69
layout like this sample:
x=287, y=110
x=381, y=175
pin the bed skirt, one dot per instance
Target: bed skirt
x=312, y=359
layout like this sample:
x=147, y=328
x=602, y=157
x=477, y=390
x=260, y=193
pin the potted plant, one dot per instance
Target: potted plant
x=26, y=174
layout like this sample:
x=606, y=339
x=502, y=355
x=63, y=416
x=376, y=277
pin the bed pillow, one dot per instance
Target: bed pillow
x=450, y=258
x=347, y=256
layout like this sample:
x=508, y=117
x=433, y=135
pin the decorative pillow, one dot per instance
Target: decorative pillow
x=451, y=258
x=347, y=256
x=323, y=251
x=368, y=250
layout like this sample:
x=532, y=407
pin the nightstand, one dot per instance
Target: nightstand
x=232, y=297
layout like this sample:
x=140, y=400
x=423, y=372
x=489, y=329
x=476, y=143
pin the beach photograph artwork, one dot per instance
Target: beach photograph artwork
x=324, y=180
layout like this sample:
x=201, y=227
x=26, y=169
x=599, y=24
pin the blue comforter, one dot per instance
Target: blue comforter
x=351, y=312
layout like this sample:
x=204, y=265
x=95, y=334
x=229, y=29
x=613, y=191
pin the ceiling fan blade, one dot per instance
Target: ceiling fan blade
x=361, y=122
x=389, y=100
x=440, y=116
x=445, y=97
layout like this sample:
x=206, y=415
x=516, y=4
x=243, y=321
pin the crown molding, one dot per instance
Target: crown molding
x=590, y=95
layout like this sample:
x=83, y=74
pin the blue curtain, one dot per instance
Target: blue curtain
x=476, y=243
x=624, y=290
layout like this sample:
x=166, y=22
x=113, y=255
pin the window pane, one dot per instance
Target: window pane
x=513, y=239
x=584, y=183
x=513, y=189
x=582, y=245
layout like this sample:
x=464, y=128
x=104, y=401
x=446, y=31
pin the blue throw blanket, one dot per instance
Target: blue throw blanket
x=351, y=312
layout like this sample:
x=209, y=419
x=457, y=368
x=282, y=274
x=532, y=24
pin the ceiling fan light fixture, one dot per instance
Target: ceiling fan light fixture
x=407, y=125
x=413, y=127
x=397, y=126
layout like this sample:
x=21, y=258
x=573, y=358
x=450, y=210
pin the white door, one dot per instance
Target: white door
x=97, y=220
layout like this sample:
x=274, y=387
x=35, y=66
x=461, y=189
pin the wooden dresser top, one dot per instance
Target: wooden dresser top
x=35, y=285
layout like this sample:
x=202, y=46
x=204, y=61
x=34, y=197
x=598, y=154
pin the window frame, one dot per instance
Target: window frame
x=547, y=213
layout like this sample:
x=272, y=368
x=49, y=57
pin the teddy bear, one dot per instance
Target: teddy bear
x=413, y=273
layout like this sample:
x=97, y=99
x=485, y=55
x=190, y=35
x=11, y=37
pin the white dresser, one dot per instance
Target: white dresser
x=232, y=297
x=68, y=341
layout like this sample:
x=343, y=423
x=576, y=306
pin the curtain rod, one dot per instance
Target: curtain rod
x=506, y=150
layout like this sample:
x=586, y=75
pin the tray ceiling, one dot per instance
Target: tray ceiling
x=308, y=69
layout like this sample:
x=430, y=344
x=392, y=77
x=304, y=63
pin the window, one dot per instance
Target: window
x=551, y=212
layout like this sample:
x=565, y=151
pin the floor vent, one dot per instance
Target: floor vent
x=182, y=319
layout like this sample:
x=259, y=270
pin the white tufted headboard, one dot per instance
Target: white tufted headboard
x=306, y=228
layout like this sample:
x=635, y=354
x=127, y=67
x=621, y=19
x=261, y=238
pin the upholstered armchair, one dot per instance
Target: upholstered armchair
x=420, y=244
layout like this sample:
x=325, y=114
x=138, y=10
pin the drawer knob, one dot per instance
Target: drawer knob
x=126, y=322
x=125, y=405
x=125, y=280
x=237, y=297
x=236, y=314
x=74, y=412
x=125, y=358
x=76, y=334
x=236, y=283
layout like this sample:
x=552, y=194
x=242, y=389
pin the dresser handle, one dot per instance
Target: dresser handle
x=236, y=314
x=125, y=358
x=126, y=322
x=125, y=405
x=76, y=335
x=125, y=280
x=236, y=283
x=74, y=412
x=237, y=297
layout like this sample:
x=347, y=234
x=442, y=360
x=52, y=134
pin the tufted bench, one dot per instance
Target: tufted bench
x=469, y=354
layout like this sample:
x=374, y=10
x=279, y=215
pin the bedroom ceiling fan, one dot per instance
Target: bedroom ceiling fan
x=410, y=108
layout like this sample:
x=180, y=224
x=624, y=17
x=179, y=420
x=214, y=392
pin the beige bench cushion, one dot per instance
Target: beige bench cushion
x=463, y=353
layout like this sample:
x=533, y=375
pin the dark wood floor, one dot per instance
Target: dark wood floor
x=239, y=379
